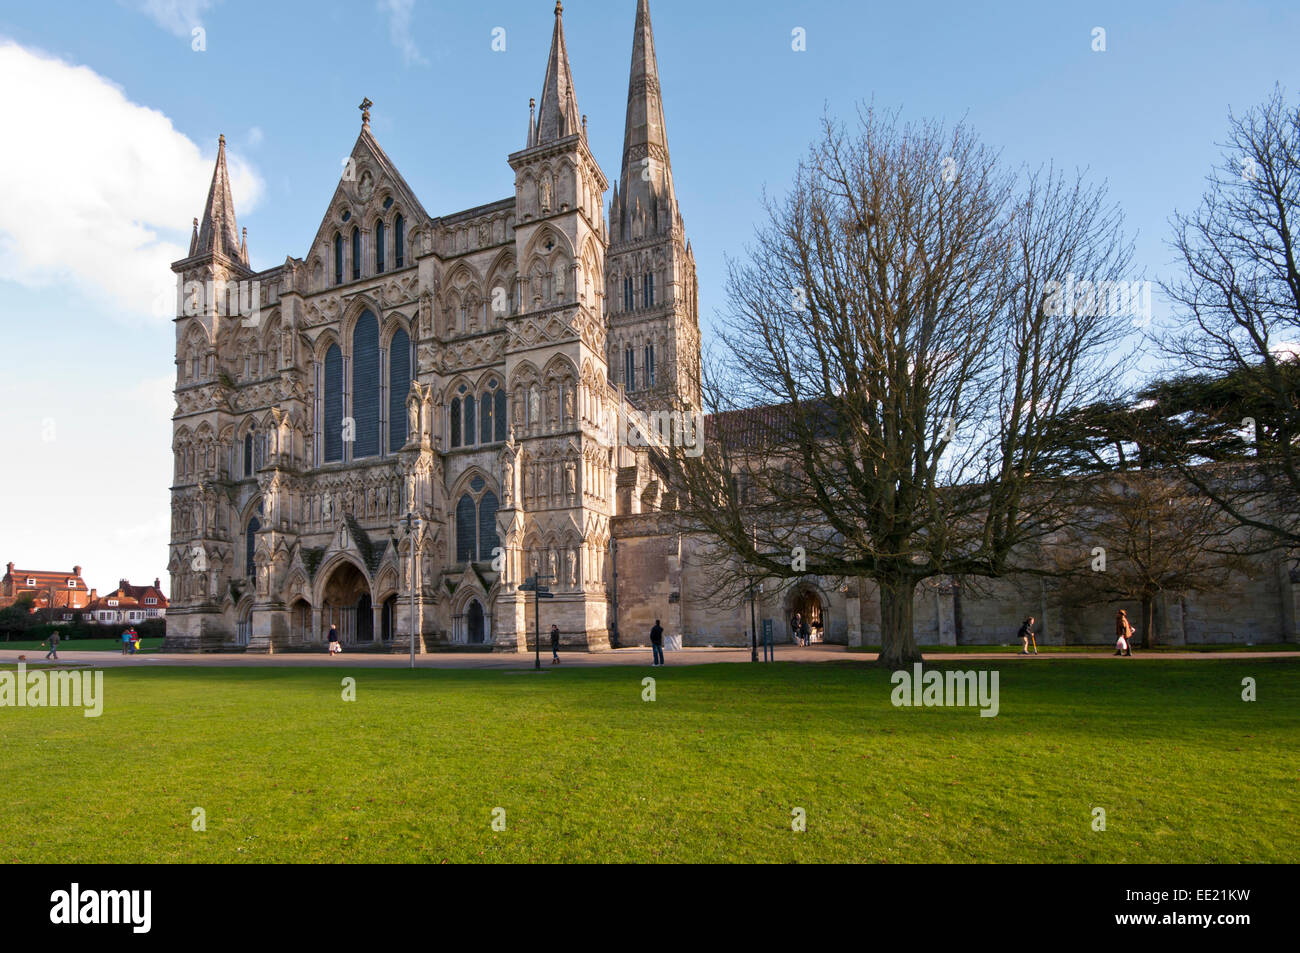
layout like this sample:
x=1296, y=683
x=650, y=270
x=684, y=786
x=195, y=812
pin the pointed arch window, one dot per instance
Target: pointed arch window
x=499, y=414
x=379, y=247
x=455, y=421
x=399, y=382
x=469, y=420
x=628, y=300
x=649, y=365
x=356, y=253
x=648, y=289
x=466, y=525
x=338, y=258
x=332, y=416
x=250, y=543
x=629, y=369
x=365, y=386
x=476, y=523
x=248, y=454
x=399, y=241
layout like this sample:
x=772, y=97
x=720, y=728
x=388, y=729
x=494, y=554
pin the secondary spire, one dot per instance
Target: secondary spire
x=557, y=114
x=218, y=232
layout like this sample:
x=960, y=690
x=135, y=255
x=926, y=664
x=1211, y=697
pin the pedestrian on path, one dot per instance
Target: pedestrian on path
x=334, y=646
x=1025, y=634
x=657, y=644
x=1123, y=634
x=126, y=641
x=54, y=646
x=555, y=645
x=796, y=629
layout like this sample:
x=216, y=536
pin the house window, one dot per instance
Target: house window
x=72, y=584
x=112, y=602
x=31, y=581
x=151, y=602
x=648, y=289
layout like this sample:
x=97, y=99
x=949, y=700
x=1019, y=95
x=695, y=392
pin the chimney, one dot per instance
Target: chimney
x=157, y=583
x=122, y=583
x=76, y=571
x=11, y=569
x=94, y=594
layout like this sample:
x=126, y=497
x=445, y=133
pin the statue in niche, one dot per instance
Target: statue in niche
x=507, y=480
x=568, y=403
x=550, y=558
x=559, y=282
x=545, y=193
x=413, y=412
x=327, y=507
x=571, y=478
x=573, y=568
x=534, y=406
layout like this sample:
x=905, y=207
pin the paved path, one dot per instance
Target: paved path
x=629, y=656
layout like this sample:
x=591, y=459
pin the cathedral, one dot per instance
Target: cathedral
x=391, y=433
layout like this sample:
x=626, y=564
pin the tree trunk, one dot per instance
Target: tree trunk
x=897, y=645
x=1148, y=620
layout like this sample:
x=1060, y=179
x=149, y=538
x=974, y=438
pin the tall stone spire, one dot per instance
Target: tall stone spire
x=218, y=233
x=646, y=180
x=557, y=114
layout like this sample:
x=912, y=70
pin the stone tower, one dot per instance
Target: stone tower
x=653, y=311
x=555, y=470
x=210, y=280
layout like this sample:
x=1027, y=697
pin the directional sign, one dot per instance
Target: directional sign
x=545, y=595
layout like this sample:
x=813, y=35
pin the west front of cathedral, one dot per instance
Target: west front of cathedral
x=474, y=370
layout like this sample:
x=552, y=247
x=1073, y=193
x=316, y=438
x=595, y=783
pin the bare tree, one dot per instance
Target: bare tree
x=894, y=347
x=1238, y=303
x=1141, y=533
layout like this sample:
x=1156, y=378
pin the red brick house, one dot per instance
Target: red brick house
x=128, y=604
x=67, y=591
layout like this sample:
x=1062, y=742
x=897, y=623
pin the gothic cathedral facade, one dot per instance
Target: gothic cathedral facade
x=468, y=370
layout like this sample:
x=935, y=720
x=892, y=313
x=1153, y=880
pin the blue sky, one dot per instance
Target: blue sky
x=112, y=118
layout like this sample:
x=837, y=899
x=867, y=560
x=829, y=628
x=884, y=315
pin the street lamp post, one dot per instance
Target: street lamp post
x=411, y=525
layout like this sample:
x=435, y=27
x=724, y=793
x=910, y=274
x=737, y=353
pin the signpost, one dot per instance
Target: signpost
x=539, y=592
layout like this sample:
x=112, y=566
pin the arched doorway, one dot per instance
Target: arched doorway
x=300, y=622
x=388, y=620
x=806, y=601
x=365, y=619
x=474, y=622
x=345, y=604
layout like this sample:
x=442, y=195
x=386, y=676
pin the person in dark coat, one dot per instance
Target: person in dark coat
x=333, y=639
x=657, y=643
x=1123, y=634
x=54, y=646
x=555, y=645
x=1025, y=634
x=796, y=628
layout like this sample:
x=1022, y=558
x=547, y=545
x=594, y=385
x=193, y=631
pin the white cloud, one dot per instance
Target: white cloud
x=255, y=136
x=175, y=16
x=399, y=29
x=100, y=191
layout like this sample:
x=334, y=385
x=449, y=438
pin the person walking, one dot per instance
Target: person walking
x=1123, y=634
x=135, y=640
x=657, y=644
x=126, y=641
x=796, y=629
x=333, y=639
x=555, y=645
x=806, y=633
x=1025, y=634
x=54, y=646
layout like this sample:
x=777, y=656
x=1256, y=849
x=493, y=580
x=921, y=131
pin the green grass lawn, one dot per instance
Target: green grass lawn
x=1099, y=647
x=80, y=645
x=586, y=771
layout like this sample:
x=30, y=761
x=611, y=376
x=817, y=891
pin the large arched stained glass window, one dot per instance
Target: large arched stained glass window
x=250, y=542
x=500, y=415
x=399, y=382
x=332, y=415
x=465, y=527
x=469, y=420
x=365, y=386
x=487, y=526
